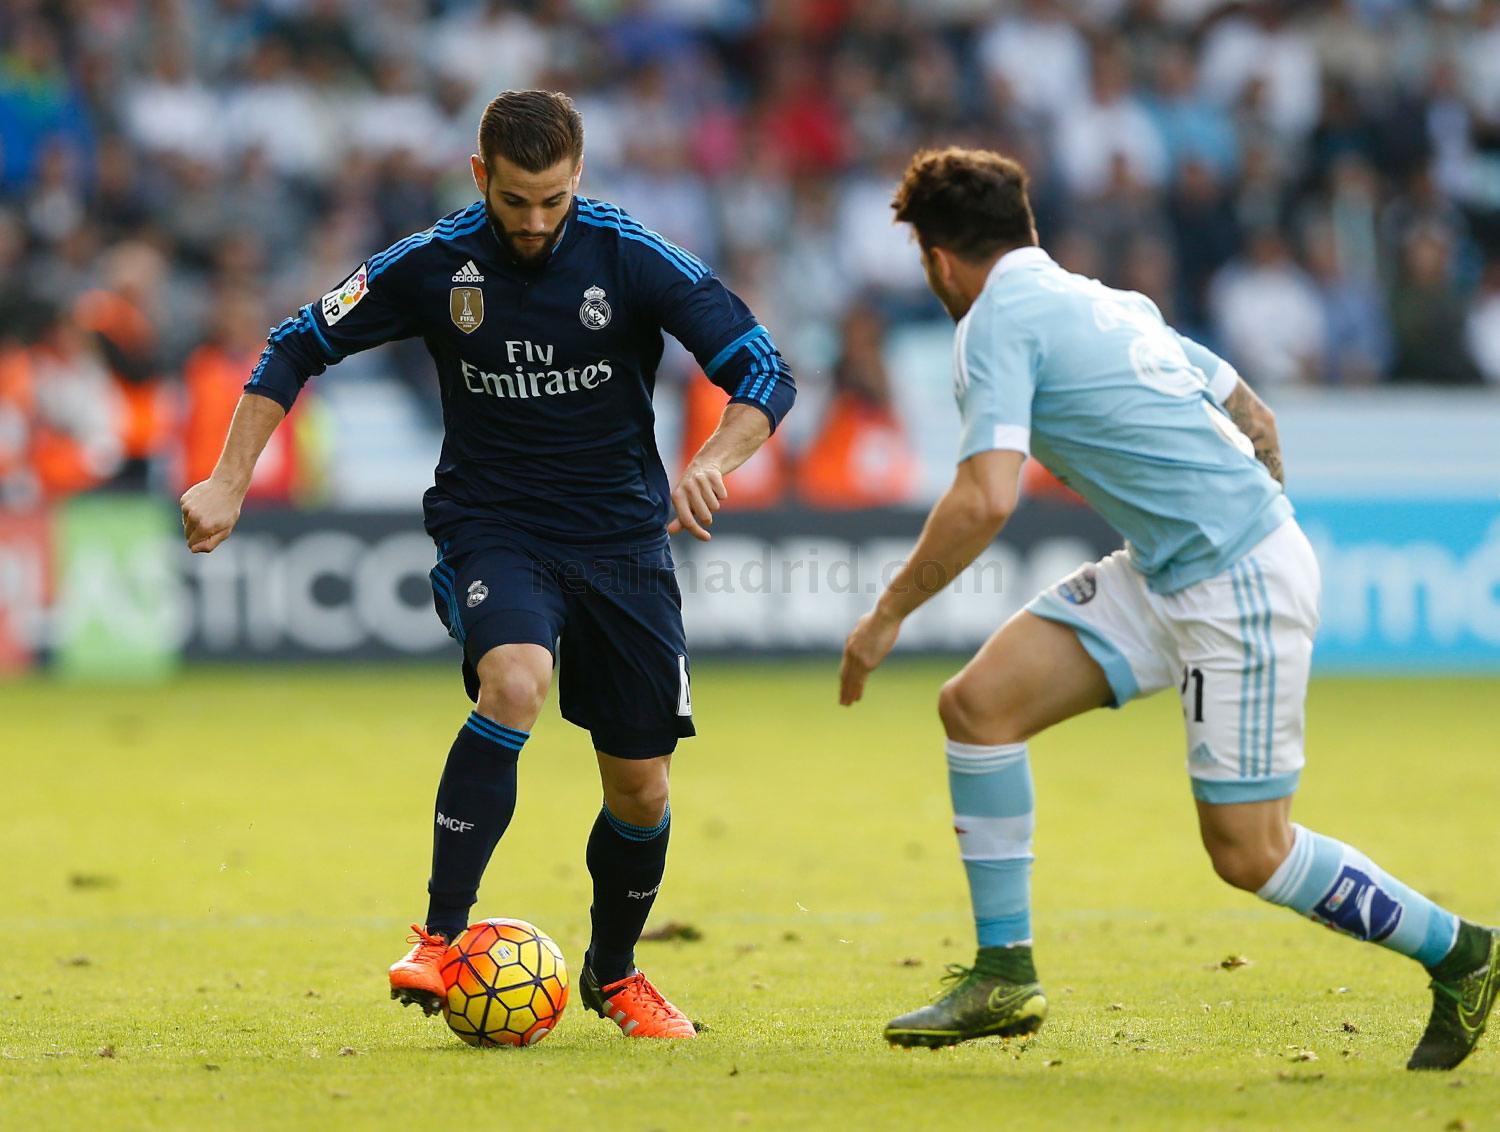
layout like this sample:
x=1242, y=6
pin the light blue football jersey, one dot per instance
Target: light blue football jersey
x=1121, y=408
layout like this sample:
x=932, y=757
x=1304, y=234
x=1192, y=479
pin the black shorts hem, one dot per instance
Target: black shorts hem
x=499, y=629
x=633, y=744
x=509, y=627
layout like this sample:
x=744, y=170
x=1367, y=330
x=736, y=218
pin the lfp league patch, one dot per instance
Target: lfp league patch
x=339, y=302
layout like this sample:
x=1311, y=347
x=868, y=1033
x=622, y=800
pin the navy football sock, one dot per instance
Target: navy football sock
x=475, y=800
x=626, y=862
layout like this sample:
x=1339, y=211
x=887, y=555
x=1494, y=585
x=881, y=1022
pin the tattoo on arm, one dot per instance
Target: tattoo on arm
x=1252, y=416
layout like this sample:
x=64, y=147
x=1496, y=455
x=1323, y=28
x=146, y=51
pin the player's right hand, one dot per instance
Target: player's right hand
x=696, y=497
x=209, y=512
x=871, y=640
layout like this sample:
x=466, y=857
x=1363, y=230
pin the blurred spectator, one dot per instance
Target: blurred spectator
x=1075, y=250
x=269, y=145
x=812, y=266
x=878, y=256
x=1148, y=267
x=492, y=45
x=1108, y=132
x=860, y=456
x=1191, y=126
x=169, y=111
x=213, y=377
x=1428, y=315
x=1419, y=205
x=1040, y=56
x=1205, y=233
x=39, y=104
x=15, y=295
x=1483, y=328
x=1262, y=44
x=1343, y=133
x=1350, y=212
x=55, y=206
x=1353, y=43
x=120, y=318
x=1126, y=212
x=1261, y=191
x=300, y=129
x=1478, y=63
x=798, y=116
x=1359, y=347
x=1267, y=314
x=397, y=117
x=119, y=203
x=59, y=386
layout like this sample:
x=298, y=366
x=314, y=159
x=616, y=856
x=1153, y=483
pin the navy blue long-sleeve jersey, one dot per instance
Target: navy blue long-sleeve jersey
x=546, y=372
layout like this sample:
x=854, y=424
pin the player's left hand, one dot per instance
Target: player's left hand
x=873, y=637
x=698, y=494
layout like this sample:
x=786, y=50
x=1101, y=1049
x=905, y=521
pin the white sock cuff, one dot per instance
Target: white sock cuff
x=977, y=758
x=968, y=757
x=1289, y=873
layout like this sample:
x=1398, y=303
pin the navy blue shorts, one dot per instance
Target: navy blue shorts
x=612, y=620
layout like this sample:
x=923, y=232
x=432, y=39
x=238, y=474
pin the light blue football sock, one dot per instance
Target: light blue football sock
x=994, y=815
x=1339, y=886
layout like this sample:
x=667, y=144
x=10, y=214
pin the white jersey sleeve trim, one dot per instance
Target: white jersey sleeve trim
x=1222, y=384
x=960, y=362
x=1012, y=438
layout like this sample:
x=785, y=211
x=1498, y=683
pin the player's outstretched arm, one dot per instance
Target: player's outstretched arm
x=962, y=523
x=701, y=491
x=1254, y=418
x=210, y=509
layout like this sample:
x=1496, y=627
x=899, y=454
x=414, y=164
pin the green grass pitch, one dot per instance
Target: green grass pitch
x=204, y=883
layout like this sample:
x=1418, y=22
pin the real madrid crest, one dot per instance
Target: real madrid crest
x=466, y=308
x=595, y=313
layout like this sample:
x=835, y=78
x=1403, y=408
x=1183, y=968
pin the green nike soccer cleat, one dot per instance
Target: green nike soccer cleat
x=1460, y=1008
x=997, y=997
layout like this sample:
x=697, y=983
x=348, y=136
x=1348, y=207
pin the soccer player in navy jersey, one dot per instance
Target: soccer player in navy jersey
x=544, y=312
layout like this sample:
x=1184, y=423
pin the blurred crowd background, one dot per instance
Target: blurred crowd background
x=1311, y=188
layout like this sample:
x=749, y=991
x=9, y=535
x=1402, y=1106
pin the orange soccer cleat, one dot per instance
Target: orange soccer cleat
x=418, y=977
x=635, y=1006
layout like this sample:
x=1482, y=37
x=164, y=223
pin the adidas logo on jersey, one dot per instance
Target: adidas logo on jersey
x=468, y=273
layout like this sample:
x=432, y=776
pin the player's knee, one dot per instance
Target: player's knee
x=511, y=692
x=1245, y=866
x=969, y=717
x=639, y=799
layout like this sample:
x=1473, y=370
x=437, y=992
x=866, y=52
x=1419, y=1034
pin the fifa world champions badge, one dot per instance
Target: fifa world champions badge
x=466, y=308
x=595, y=313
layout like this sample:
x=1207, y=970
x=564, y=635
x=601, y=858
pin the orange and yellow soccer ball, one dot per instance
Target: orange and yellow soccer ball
x=506, y=983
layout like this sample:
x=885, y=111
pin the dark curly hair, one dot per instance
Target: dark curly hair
x=970, y=201
x=534, y=129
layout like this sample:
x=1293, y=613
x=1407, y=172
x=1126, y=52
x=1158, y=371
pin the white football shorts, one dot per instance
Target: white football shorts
x=1236, y=646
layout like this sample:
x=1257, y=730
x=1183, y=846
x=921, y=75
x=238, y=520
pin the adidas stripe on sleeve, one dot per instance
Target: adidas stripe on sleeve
x=365, y=310
x=692, y=304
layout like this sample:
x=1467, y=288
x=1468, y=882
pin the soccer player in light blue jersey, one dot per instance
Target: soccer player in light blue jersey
x=1215, y=594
